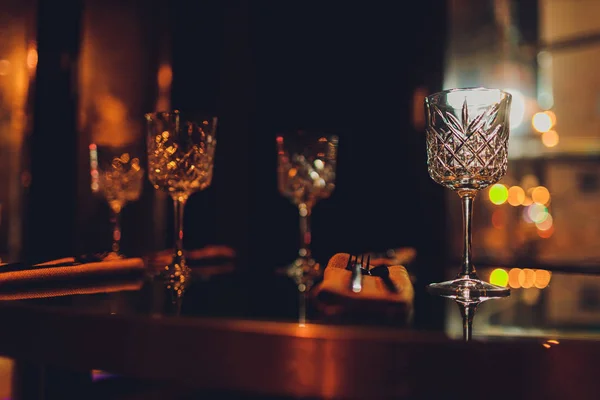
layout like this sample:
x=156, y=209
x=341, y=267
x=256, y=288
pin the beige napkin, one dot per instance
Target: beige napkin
x=399, y=256
x=106, y=267
x=334, y=291
x=71, y=290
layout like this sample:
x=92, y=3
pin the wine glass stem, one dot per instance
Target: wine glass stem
x=305, y=235
x=302, y=309
x=468, y=270
x=467, y=311
x=115, y=220
x=179, y=205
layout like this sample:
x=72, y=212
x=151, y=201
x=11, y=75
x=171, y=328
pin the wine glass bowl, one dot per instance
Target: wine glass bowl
x=467, y=137
x=467, y=134
x=180, y=163
x=116, y=172
x=306, y=171
x=181, y=154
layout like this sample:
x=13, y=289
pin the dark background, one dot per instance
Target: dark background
x=263, y=67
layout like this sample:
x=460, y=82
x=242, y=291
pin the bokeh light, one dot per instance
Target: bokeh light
x=498, y=194
x=526, y=278
x=537, y=213
x=499, y=277
x=516, y=196
x=542, y=278
x=541, y=122
x=32, y=57
x=550, y=138
x=513, y=278
x=545, y=224
x=552, y=116
x=547, y=233
x=540, y=195
x=526, y=216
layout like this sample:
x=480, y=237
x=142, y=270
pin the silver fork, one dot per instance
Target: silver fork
x=358, y=268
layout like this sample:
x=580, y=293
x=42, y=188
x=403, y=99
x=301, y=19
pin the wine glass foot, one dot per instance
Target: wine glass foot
x=468, y=290
x=114, y=255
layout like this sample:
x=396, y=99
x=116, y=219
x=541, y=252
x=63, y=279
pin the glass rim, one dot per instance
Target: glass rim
x=174, y=113
x=307, y=132
x=504, y=94
x=167, y=114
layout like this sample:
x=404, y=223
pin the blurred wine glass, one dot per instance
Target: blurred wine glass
x=180, y=162
x=116, y=172
x=306, y=174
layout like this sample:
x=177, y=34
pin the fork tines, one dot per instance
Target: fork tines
x=358, y=268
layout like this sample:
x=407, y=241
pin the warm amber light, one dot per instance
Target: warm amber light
x=547, y=233
x=542, y=278
x=546, y=224
x=516, y=196
x=513, y=278
x=526, y=278
x=4, y=67
x=32, y=57
x=540, y=195
x=552, y=116
x=418, y=116
x=165, y=76
x=550, y=138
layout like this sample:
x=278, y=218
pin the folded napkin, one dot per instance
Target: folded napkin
x=70, y=290
x=399, y=256
x=334, y=295
x=66, y=268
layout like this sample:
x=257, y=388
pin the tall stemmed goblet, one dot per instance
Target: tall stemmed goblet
x=467, y=150
x=306, y=174
x=116, y=172
x=180, y=162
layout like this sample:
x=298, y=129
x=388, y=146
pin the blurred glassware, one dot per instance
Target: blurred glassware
x=116, y=172
x=306, y=174
x=180, y=162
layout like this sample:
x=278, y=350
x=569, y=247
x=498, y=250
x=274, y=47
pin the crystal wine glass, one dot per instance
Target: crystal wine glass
x=116, y=172
x=180, y=162
x=467, y=149
x=306, y=173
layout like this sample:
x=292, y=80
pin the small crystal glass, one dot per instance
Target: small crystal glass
x=116, y=172
x=306, y=173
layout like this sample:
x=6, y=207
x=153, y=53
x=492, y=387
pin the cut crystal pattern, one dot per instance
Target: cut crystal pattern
x=469, y=151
